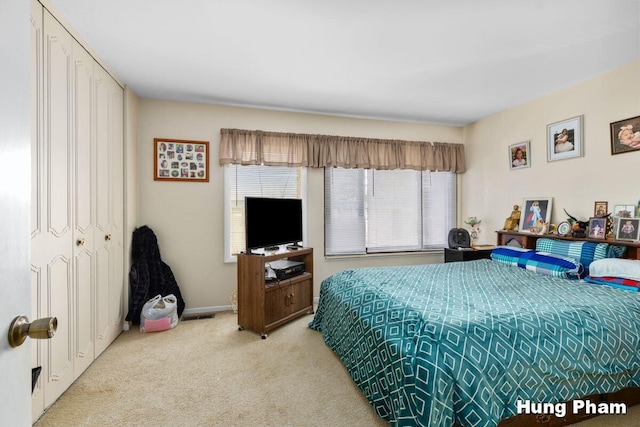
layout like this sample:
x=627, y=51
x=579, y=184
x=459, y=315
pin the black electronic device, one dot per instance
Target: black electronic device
x=459, y=238
x=286, y=269
x=271, y=222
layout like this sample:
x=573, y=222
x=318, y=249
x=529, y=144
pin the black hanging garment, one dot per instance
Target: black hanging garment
x=149, y=275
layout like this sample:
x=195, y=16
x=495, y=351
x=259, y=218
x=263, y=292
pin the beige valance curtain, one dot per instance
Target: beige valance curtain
x=254, y=147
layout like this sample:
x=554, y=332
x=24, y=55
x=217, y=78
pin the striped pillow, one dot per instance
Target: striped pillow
x=508, y=254
x=550, y=264
x=584, y=252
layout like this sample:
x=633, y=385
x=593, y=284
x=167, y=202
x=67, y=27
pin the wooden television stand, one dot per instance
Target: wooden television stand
x=264, y=305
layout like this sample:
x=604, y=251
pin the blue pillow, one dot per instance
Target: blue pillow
x=508, y=254
x=583, y=252
x=550, y=264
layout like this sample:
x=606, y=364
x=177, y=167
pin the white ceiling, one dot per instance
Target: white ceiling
x=444, y=62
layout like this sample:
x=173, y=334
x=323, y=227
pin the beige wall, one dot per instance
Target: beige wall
x=490, y=188
x=188, y=217
x=131, y=181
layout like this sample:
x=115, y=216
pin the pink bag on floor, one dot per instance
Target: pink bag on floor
x=157, y=325
x=159, y=314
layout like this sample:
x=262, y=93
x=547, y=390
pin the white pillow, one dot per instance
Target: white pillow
x=615, y=267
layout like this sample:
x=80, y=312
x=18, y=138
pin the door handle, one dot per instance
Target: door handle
x=39, y=329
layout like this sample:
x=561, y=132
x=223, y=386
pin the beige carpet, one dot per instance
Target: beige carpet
x=207, y=373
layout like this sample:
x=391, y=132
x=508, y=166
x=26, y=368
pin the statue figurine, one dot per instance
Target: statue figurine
x=513, y=221
x=544, y=227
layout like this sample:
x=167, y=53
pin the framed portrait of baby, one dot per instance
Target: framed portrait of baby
x=519, y=155
x=564, y=139
x=625, y=135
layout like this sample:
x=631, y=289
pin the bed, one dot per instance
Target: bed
x=438, y=344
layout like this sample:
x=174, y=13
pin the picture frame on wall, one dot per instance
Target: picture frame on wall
x=519, y=155
x=565, y=139
x=625, y=135
x=597, y=227
x=534, y=212
x=628, y=229
x=180, y=160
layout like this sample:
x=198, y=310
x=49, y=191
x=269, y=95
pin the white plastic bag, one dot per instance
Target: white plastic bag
x=159, y=314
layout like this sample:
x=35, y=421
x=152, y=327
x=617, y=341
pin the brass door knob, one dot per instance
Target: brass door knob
x=20, y=329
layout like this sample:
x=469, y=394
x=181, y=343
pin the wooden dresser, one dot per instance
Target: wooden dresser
x=528, y=240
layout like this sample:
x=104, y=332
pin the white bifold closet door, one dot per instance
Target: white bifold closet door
x=77, y=206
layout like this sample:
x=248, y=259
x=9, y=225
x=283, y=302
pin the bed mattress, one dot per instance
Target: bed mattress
x=435, y=344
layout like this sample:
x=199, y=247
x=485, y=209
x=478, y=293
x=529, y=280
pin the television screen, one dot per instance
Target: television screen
x=272, y=222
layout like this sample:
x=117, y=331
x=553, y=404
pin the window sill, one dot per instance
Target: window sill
x=438, y=251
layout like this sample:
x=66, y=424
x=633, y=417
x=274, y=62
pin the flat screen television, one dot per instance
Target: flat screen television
x=272, y=222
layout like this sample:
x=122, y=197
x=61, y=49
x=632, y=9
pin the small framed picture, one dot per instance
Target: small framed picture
x=627, y=229
x=624, y=211
x=535, y=212
x=600, y=208
x=597, y=227
x=564, y=139
x=519, y=155
x=625, y=135
x=180, y=160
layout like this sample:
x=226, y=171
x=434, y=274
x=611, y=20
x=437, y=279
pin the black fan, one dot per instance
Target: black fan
x=459, y=238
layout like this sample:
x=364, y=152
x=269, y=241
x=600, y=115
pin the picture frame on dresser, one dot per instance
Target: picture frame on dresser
x=597, y=227
x=535, y=211
x=600, y=208
x=564, y=139
x=628, y=229
x=624, y=211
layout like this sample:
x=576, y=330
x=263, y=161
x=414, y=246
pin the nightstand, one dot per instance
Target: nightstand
x=454, y=255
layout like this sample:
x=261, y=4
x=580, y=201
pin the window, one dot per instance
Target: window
x=256, y=181
x=387, y=210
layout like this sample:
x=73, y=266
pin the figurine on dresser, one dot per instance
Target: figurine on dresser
x=513, y=221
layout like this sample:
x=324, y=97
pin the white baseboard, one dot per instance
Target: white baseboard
x=190, y=311
x=219, y=308
x=206, y=310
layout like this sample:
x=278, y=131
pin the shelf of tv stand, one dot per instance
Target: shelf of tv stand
x=528, y=240
x=264, y=305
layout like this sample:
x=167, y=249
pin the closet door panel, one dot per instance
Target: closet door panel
x=58, y=126
x=118, y=285
x=103, y=229
x=84, y=212
x=83, y=140
x=54, y=252
x=109, y=282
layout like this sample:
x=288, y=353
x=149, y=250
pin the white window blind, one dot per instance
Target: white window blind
x=255, y=181
x=393, y=205
x=439, y=208
x=387, y=211
x=344, y=222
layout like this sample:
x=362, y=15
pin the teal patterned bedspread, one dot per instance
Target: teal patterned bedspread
x=462, y=342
